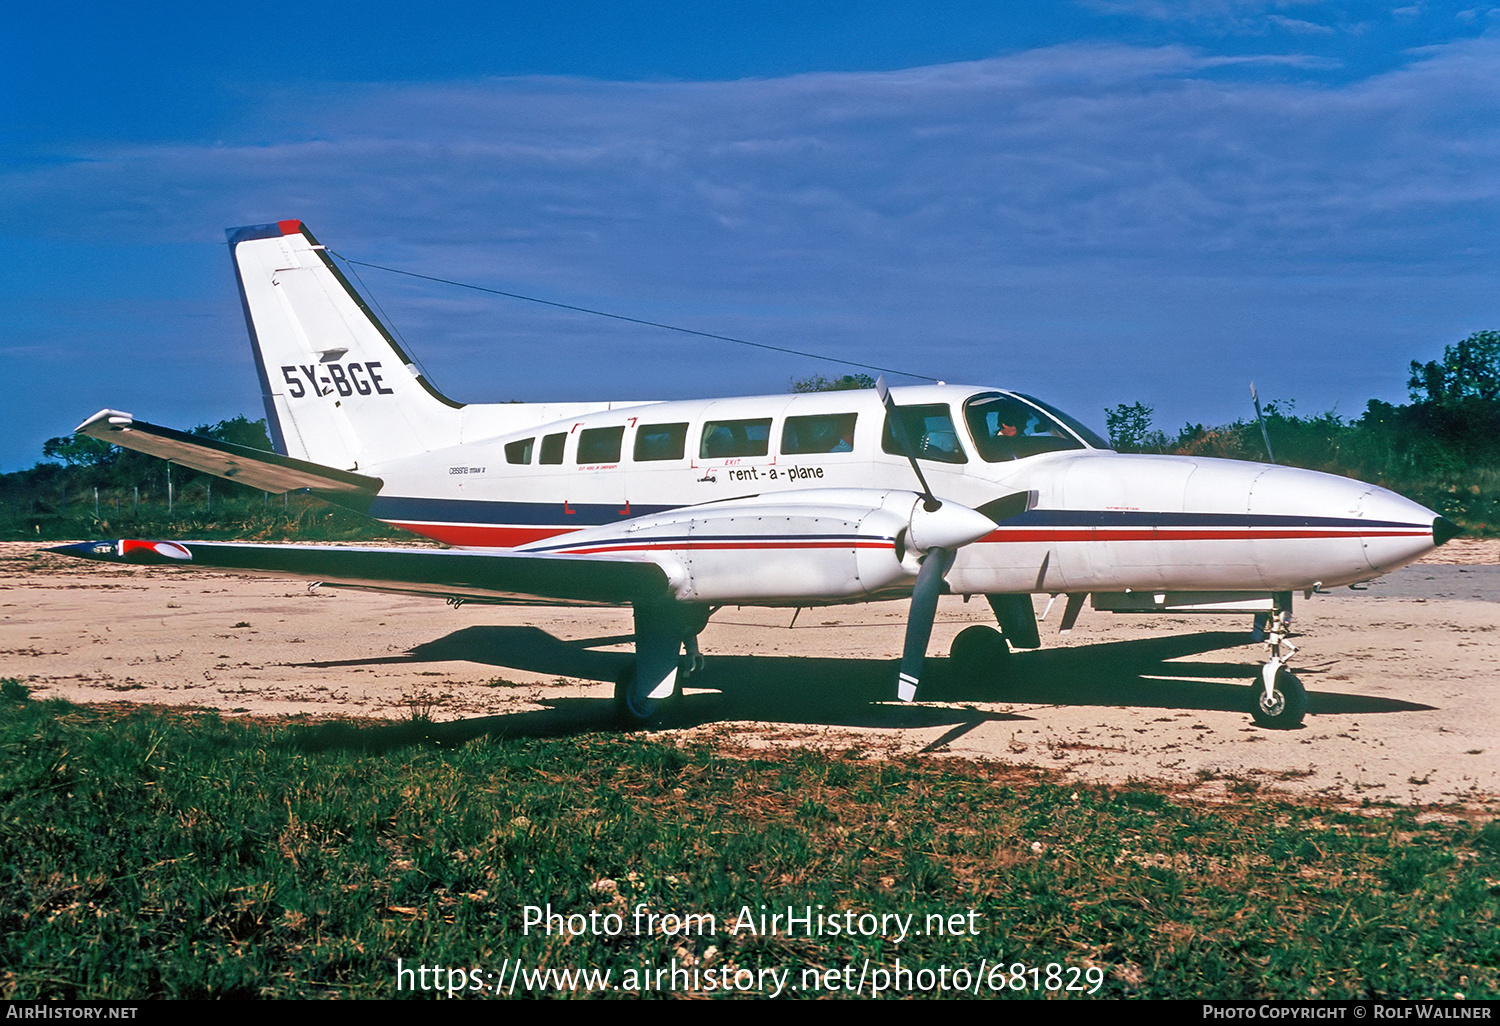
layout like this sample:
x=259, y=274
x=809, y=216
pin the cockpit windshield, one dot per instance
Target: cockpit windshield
x=1090, y=437
x=1015, y=427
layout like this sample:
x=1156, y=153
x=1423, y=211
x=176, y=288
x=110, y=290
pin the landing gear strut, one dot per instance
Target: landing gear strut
x=648, y=689
x=1278, y=699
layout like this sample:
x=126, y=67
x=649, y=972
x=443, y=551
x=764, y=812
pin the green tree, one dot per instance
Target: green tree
x=239, y=431
x=1468, y=370
x=1128, y=426
x=818, y=383
x=79, y=451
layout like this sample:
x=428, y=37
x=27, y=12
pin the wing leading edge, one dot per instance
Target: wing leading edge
x=500, y=577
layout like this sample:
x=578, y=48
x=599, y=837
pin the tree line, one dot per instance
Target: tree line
x=83, y=486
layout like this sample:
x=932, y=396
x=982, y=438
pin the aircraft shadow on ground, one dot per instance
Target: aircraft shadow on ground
x=847, y=691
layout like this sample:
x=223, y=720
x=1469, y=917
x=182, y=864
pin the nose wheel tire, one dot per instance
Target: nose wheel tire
x=978, y=653
x=1284, y=707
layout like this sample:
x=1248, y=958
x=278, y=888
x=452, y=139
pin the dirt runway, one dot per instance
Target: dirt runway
x=1403, y=678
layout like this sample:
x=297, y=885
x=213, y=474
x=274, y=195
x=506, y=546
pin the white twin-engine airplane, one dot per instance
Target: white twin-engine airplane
x=679, y=508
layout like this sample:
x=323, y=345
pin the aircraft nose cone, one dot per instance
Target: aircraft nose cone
x=1398, y=530
x=1444, y=530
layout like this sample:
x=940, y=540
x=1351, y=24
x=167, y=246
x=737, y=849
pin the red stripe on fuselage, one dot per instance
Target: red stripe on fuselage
x=1102, y=534
x=485, y=536
x=481, y=536
x=769, y=543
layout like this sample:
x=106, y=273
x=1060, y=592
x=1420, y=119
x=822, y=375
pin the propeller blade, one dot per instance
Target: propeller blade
x=898, y=428
x=1264, y=434
x=924, y=598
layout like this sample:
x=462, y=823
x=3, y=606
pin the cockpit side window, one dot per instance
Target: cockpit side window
x=931, y=431
x=1009, y=429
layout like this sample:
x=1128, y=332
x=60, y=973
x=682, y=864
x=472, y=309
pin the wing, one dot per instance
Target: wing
x=501, y=577
x=268, y=471
x=802, y=548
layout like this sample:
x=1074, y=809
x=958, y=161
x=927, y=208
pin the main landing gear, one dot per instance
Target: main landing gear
x=648, y=690
x=1277, y=698
x=978, y=653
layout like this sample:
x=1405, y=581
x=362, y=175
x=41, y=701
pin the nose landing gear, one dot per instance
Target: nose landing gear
x=1277, y=699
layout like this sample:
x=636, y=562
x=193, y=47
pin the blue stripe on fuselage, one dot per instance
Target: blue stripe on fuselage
x=558, y=514
x=530, y=514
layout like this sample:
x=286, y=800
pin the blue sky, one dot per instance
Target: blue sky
x=1100, y=201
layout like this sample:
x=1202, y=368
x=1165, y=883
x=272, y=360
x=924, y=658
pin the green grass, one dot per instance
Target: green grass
x=150, y=853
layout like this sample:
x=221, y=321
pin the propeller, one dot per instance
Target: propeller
x=1266, y=435
x=938, y=530
x=924, y=599
x=898, y=427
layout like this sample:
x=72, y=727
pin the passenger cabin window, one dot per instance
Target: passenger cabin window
x=660, y=442
x=931, y=431
x=723, y=439
x=832, y=432
x=1008, y=429
x=600, y=445
x=552, y=447
x=519, y=452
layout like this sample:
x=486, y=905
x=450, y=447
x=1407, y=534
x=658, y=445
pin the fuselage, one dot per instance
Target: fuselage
x=1098, y=521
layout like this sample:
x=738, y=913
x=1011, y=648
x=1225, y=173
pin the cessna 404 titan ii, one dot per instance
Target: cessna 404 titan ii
x=679, y=508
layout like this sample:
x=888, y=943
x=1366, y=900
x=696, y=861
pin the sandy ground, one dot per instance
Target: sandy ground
x=1403, y=678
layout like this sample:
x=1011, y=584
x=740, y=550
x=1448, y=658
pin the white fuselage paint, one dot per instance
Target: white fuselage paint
x=1100, y=522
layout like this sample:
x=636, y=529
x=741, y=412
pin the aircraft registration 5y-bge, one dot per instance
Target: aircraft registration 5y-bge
x=679, y=508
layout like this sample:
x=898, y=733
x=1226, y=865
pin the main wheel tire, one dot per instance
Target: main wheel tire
x=634, y=711
x=978, y=653
x=1285, y=707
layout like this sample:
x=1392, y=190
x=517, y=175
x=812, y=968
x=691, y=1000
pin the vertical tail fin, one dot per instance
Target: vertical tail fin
x=338, y=388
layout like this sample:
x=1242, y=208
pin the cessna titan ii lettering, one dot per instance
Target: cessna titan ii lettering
x=679, y=508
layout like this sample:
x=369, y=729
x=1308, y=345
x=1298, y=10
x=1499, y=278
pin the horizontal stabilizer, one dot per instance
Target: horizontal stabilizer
x=268, y=471
x=502, y=577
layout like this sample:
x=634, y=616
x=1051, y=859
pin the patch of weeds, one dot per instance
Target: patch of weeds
x=1405, y=873
x=1489, y=836
x=420, y=706
x=1149, y=801
x=12, y=690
